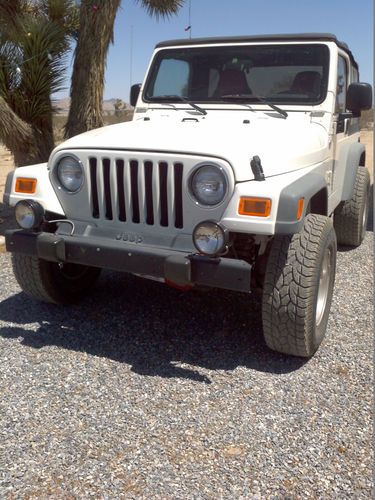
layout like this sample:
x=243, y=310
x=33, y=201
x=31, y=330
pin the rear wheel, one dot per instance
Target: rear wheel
x=350, y=218
x=52, y=282
x=298, y=288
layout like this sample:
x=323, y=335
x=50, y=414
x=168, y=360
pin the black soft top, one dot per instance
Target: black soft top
x=326, y=37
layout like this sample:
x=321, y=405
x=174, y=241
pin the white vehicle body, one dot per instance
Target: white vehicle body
x=305, y=142
x=137, y=208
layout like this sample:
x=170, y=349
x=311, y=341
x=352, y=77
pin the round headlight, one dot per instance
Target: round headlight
x=209, y=185
x=70, y=173
x=29, y=214
x=210, y=238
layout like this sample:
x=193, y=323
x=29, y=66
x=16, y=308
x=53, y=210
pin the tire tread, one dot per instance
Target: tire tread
x=348, y=216
x=288, y=294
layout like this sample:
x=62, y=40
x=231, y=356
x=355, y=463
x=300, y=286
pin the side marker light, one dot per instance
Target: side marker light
x=255, y=207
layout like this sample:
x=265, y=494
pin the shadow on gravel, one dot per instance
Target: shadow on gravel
x=151, y=327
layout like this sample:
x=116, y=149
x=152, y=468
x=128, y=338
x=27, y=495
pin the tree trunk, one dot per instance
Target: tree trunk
x=95, y=34
x=28, y=143
x=17, y=135
x=43, y=133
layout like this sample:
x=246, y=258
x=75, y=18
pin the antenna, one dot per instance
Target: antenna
x=131, y=56
x=190, y=18
x=188, y=27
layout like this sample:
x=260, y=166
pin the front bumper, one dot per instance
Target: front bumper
x=176, y=267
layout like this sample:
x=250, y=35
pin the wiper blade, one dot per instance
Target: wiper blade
x=178, y=98
x=246, y=97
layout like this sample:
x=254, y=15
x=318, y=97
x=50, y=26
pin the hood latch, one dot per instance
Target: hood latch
x=256, y=167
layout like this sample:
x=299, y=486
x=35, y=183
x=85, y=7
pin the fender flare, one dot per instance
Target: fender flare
x=304, y=187
x=8, y=187
x=352, y=162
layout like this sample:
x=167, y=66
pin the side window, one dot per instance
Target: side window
x=173, y=78
x=342, y=81
x=213, y=81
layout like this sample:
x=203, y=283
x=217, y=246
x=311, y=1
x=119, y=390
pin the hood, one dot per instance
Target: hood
x=283, y=145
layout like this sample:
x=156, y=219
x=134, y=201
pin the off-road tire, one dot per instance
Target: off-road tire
x=350, y=217
x=48, y=282
x=296, y=297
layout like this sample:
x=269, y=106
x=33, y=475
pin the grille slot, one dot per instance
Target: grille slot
x=134, y=190
x=163, y=172
x=107, y=189
x=94, y=188
x=178, y=171
x=148, y=186
x=137, y=191
x=121, y=190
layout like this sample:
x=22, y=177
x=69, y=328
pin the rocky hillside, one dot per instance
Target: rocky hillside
x=62, y=105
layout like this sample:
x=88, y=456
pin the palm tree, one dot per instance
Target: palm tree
x=35, y=35
x=95, y=34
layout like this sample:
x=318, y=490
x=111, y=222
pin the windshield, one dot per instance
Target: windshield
x=285, y=74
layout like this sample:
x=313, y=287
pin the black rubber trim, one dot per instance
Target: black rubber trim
x=177, y=267
x=8, y=188
x=305, y=187
x=329, y=37
x=352, y=162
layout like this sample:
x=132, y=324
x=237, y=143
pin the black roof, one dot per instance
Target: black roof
x=329, y=37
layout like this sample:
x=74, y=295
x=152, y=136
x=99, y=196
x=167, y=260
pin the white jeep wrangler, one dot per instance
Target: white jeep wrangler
x=240, y=170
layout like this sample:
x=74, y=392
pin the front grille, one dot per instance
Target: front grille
x=141, y=192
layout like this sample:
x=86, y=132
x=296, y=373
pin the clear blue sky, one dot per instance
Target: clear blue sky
x=350, y=20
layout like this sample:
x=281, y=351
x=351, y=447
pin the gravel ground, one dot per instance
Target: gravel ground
x=144, y=392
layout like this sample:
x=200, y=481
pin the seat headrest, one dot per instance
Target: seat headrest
x=307, y=82
x=233, y=81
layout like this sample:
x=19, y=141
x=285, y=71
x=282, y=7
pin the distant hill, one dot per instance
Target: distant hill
x=62, y=105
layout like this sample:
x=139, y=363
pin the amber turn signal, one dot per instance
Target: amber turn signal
x=256, y=207
x=25, y=185
x=300, y=208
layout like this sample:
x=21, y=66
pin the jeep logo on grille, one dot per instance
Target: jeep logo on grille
x=130, y=237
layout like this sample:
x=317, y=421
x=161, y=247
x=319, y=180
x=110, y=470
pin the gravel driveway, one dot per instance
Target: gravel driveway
x=144, y=392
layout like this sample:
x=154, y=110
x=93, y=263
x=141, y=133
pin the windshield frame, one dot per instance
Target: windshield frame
x=158, y=57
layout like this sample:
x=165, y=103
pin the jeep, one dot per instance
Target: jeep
x=241, y=169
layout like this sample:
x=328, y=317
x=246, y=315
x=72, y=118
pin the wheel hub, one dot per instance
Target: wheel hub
x=324, y=281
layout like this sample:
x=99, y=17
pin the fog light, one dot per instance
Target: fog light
x=29, y=214
x=210, y=238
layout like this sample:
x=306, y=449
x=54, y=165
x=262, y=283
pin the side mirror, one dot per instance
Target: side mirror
x=359, y=97
x=134, y=94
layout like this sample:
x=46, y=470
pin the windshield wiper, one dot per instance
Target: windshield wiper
x=246, y=97
x=178, y=98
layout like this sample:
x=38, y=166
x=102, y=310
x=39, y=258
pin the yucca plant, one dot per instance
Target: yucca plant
x=35, y=36
x=97, y=19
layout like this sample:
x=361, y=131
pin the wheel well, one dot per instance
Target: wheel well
x=319, y=202
x=362, y=160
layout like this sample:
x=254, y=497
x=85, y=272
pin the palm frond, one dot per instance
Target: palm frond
x=33, y=50
x=15, y=133
x=161, y=8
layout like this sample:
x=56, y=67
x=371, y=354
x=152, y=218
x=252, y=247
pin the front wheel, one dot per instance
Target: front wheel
x=52, y=282
x=298, y=287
